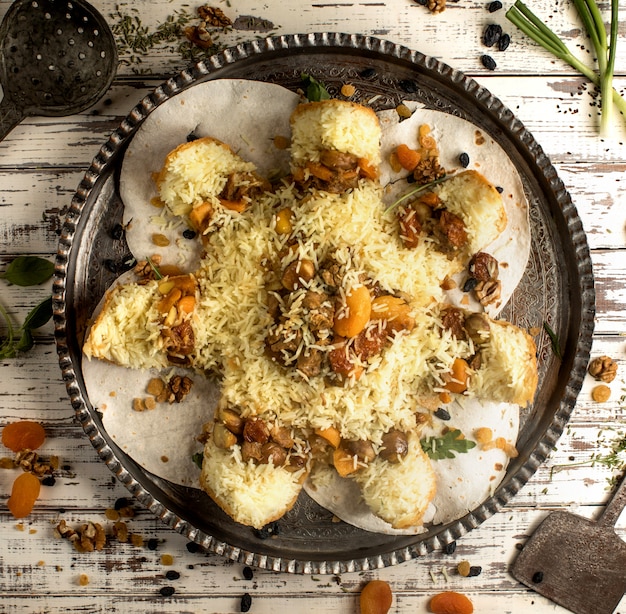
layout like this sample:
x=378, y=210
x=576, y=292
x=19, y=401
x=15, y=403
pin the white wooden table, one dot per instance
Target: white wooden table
x=42, y=161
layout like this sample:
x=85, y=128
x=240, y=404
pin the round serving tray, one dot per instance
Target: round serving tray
x=556, y=289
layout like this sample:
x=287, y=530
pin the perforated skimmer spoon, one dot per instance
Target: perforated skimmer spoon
x=57, y=57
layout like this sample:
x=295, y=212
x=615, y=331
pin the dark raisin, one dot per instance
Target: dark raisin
x=538, y=577
x=491, y=34
x=442, y=413
x=411, y=178
x=120, y=503
x=368, y=73
x=503, y=42
x=117, y=232
x=190, y=567
x=464, y=160
x=449, y=548
x=494, y=6
x=422, y=2
x=408, y=85
x=172, y=575
x=499, y=189
x=189, y=234
x=167, y=591
x=474, y=570
x=49, y=480
x=192, y=137
x=153, y=543
x=248, y=574
x=488, y=62
x=128, y=262
x=268, y=530
x=192, y=547
x=111, y=265
x=108, y=102
x=470, y=284
x=246, y=603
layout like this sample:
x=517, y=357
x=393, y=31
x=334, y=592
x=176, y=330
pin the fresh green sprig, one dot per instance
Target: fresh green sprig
x=447, y=446
x=554, y=340
x=415, y=191
x=314, y=90
x=524, y=19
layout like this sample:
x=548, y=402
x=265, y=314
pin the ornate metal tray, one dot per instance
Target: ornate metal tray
x=557, y=288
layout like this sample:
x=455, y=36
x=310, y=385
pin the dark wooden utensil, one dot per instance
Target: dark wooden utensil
x=57, y=57
x=577, y=563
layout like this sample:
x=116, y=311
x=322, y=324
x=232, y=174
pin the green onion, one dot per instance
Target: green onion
x=523, y=18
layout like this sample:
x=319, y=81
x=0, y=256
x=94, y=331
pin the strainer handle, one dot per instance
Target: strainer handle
x=10, y=116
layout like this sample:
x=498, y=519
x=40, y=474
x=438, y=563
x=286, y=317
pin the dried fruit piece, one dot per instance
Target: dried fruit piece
x=375, y=597
x=23, y=495
x=601, y=393
x=23, y=435
x=450, y=602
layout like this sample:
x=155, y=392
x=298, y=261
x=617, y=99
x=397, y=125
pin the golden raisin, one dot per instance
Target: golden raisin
x=463, y=568
x=281, y=142
x=23, y=495
x=601, y=393
x=375, y=597
x=160, y=239
x=23, y=435
x=83, y=579
x=450, y=602
x=347, y=90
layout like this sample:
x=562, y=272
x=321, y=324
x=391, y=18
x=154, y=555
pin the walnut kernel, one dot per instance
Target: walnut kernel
x=603, y=368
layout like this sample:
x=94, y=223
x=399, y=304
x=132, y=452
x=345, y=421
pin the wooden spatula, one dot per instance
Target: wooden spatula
x=577, y=563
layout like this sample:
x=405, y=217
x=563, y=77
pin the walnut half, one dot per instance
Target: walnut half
x=603, y=368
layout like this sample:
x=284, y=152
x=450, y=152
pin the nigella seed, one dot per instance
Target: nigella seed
x=248, y=574
x=491, y=34
x=503, y=42
x=368, y=73
x=470, y=284
x=167, y=591
x=464, y=160
x=246, y=603
x=449, y=548
x=474, y=570
x=537, y=577
x=494, y=6
x=188, y=233
x=409, y=86
x=443, y=414
x=488, y=62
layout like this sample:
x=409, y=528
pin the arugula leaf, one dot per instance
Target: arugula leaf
x=314, y=89
x=439, y=448
x=28, y=271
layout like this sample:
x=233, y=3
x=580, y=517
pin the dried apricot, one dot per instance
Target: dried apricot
x=407, y=157
x=23, y=495
x=23, y=435
x=353, y=317
x=450, y=602
x=375, y=597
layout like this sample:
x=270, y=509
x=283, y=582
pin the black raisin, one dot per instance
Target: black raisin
x=422, y=2
x=491, y=34
x=499, y=189
x=248, y=574
x=153, y=543
x=111, y=265
x=503, y=42
x=449, y=548
x=488, y=62
x=538, y=577
x=192, y=137
x=246, y=603
x=172, y=575
x=48, y=481
x=117, y=232
x=474, y=570
x=470, y=284
x=443, y=414
x=494, y=6
x=368, y=73
x=188, y=233
x=464, y=160
x=192, y=547
x=268, y=530
x=128, y=262
x=408, y=85
x=120, y=503
x=167, y=591
x=411, y=179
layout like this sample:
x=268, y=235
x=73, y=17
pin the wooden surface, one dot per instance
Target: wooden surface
x=41, y=163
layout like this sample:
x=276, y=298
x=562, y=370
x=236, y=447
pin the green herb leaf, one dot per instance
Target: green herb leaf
x=157, y=273
x=414, y=191
x=197, y=459
x=554, y=340
x=26, y=341
x=447, y=446
x=39, y=315
x=28, y=271
x=313, y=89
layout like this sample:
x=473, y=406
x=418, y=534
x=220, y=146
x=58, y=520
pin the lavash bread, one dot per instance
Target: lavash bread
x=399, y=493
x=250, y=493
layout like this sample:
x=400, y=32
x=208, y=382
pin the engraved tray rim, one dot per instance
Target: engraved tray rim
x=578, y=326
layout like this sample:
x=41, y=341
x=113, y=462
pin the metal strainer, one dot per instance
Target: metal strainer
x=57, y=57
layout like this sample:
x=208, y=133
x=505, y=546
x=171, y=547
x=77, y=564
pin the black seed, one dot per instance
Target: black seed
x=167, y=591
x=409, y=86
x=499, y=189
x=451, y=547
x=153, y=543
x=470, y=284
x=117, y=232
x=368, y=73
x=192, y=137
x=494, y=6
x=491, y=34
x=474, y=570
x=538, y=577
x=192, y=547
x=172, y=575
x=504, y=42
x=120, y=503
x=443, y=414
x=246, y=603
x=488, y=62
x=48, y=481
x=189, y=234
x=248, y=574
x=464, y=160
